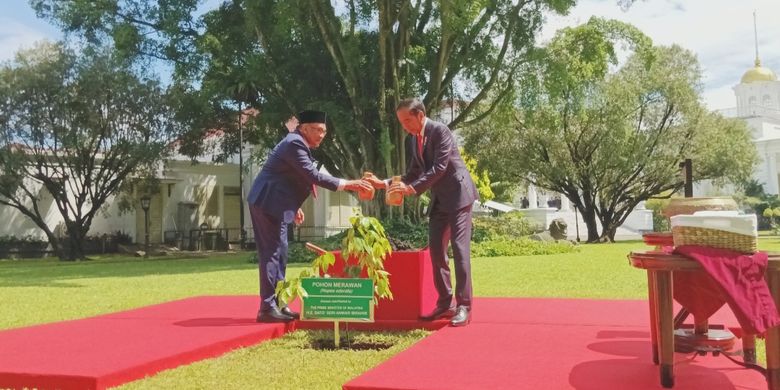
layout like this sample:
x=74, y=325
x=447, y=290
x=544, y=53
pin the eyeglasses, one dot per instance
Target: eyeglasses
x=318, y=130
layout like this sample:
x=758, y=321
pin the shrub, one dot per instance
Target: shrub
x=507, y=225
x=13, y=240
x=504, y=235
x=519, y=247
x=22, y=247
x=297, y=253
x=660, y=222
x=406, y=234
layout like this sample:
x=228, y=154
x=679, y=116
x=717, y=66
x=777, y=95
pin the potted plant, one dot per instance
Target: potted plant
x=365, y=245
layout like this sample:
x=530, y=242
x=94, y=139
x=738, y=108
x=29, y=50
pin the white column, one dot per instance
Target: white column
x=772, y=179
x=544, y=198
x=532, y=196
x=565, y=203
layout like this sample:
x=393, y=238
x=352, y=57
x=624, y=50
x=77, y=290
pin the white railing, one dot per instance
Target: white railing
x=749, y=112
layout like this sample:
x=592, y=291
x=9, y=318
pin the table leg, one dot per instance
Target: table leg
x=701, y=327
x=749, y=348
x=663, y=281
x=651, y=299
x=773, y=336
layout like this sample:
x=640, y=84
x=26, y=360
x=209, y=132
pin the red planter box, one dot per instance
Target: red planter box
x=411, y=282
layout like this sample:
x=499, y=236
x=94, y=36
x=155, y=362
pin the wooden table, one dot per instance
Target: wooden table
x=659, y=267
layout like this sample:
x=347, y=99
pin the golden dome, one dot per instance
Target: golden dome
x=758, y=73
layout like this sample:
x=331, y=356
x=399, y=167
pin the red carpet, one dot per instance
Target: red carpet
x=108, y=350
x=104, y=351
x=511, y=344
x=550, y=344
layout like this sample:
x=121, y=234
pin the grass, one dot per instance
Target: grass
x=40, y=291
x=594, y=271
x=288, y=362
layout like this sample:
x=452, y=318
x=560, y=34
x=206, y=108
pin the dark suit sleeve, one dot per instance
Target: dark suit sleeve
x=413, y=168
x=298, y=157
x=442, y=145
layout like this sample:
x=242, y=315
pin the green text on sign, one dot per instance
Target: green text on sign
x=338, y=287
x=332, y=299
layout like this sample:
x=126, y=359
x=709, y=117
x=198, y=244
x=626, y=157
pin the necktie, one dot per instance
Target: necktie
x=420, y=145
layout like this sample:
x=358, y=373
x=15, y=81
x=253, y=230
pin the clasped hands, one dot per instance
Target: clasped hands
x=365, y=184
x=359, y=185
x=381, y=184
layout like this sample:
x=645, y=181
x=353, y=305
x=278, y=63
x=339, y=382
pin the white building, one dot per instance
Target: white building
x=189, y=196
x=758, y=104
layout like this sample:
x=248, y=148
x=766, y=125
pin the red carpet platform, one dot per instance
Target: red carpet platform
x=108, y=350
x=510, y=344
x=550, y=344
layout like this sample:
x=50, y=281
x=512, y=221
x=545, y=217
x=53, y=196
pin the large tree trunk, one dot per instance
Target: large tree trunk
x=587, y=207
x=590, y=220
x=56, y=244
x=76, y=235
x=608, y=232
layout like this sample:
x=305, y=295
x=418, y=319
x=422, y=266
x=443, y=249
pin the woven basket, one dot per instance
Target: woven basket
x=686, y=235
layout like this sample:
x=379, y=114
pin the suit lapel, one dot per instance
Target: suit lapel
x=426, y=137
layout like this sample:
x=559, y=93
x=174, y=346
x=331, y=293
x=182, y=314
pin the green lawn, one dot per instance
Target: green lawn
x=39, y=291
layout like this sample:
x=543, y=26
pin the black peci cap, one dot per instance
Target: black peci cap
x=309, y=116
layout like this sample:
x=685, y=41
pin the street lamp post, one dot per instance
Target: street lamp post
x=145, y=202
x=241, y=178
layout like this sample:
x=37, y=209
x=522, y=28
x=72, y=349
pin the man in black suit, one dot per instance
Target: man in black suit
x=286, y=180
x=436, y=164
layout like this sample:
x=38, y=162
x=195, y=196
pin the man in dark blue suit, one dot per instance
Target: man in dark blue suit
x=286, y=180
x=436, y=164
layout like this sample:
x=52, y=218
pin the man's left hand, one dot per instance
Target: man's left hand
x=299, y=217
x=402, y=188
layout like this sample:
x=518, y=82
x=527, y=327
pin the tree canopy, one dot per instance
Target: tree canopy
x=73, y=130
x=354, y=59
x=608, y=135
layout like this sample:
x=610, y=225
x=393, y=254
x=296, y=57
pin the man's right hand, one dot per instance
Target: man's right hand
x=357, y=185
x=375, y=182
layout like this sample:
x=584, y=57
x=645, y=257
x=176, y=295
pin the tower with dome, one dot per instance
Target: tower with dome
x=758, y=104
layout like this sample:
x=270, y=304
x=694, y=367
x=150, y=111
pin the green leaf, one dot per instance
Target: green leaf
x=301, y=292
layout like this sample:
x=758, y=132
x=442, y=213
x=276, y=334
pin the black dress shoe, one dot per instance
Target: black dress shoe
x=462, y=316
x=294, y=314
x=273, y=315
x=439, y=312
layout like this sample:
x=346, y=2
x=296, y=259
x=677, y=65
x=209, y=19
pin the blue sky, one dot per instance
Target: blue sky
x=720, y=32
x=20, y=28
